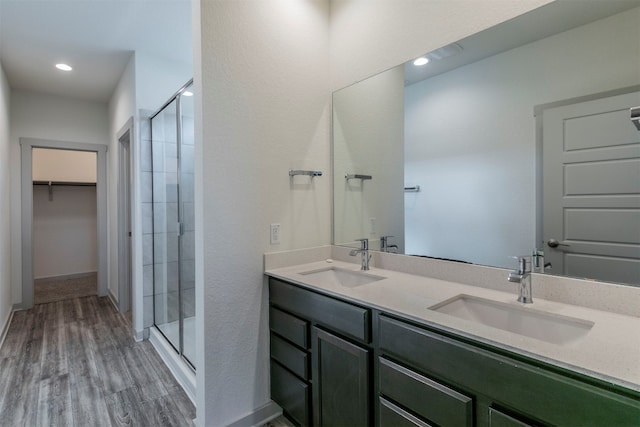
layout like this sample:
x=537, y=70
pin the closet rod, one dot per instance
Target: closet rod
x=65, y=183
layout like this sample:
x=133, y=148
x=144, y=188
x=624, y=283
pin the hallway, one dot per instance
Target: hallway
x=74, y=363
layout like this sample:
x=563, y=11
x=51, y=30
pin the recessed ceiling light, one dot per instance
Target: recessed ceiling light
x=187, y=93
x=420, y=61
x=64, y=67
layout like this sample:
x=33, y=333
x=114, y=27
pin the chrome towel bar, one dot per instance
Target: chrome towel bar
x=357, y=176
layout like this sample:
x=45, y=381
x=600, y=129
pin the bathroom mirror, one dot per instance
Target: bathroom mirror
x=448, y=158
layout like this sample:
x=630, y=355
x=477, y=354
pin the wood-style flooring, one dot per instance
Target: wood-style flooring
x=74, y=363
x=58, y=289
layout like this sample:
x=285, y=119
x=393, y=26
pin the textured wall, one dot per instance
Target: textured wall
x=265, y=98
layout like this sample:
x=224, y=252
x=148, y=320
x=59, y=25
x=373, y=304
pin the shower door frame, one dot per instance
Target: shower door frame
x=176, y=97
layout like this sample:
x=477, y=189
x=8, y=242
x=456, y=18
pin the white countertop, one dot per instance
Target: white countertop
x=610, y=351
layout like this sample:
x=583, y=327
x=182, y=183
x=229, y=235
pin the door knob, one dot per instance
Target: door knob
x=553, y=243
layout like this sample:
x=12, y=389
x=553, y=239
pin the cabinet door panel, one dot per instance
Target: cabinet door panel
x=427, y=398
x=341, y=392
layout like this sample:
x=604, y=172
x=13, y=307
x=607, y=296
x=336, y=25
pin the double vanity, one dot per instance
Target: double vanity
x=421, y=342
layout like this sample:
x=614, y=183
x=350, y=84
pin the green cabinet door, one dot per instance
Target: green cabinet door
x=341, y=378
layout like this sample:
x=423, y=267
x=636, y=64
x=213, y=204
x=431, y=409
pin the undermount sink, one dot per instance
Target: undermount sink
x=552, y=328
x=343, y=277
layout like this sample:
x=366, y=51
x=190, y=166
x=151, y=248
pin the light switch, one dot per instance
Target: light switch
x=274, y=232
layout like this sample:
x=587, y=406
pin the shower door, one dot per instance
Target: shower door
x=173, y=224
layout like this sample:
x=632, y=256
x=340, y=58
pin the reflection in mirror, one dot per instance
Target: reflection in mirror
x=471, y=136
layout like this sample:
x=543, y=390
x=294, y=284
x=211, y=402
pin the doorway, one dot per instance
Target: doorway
x=99, y=151
x=64, y=224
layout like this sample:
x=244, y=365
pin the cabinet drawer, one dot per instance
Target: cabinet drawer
x=423, y=396
x=291, y=393
x=533, y=390
x=339, y=316
x=498, y=419
x=296, y=360
x=394, y=416
x=294, y=329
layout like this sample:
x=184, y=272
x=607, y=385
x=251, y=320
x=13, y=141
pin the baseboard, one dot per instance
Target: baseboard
x=259, y=416
x=185, y=376
x=113, y=300
x=64, y=277
x=5, y=327
x=141, y=335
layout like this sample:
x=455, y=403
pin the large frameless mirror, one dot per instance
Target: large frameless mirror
x=516, y=138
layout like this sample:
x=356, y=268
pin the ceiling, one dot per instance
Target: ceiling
x=96, y=37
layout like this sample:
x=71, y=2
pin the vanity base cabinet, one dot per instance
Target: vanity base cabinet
x=341, y=389
x=505, y=391
x=321, y=359
x=335, y=363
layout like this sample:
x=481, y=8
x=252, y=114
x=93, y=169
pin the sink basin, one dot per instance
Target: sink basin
x=343, y=277
x=552, y=328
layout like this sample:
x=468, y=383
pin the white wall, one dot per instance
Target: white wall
x=470, y=137
x=265, y=110
x=157, y=80
x=65, y=240
x=54, y=165
x=5, y=181
x=368, y=139
x=122, y=106
x=46, y=117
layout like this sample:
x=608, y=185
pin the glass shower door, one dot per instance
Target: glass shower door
x=165, y=224
x=173, y=222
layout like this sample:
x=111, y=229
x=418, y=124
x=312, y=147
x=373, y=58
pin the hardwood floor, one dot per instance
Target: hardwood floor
x=74, y=363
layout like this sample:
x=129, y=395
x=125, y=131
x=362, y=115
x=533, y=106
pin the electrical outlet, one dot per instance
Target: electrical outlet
x=372, y=225
x=274, y=233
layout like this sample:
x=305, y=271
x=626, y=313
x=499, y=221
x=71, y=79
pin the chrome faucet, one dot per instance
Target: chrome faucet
x=364, y=251
x=537, y=261
x=523, y=277
x=385, y=246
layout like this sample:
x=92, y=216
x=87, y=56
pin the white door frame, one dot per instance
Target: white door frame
x=27, y=146
x=125, y=265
